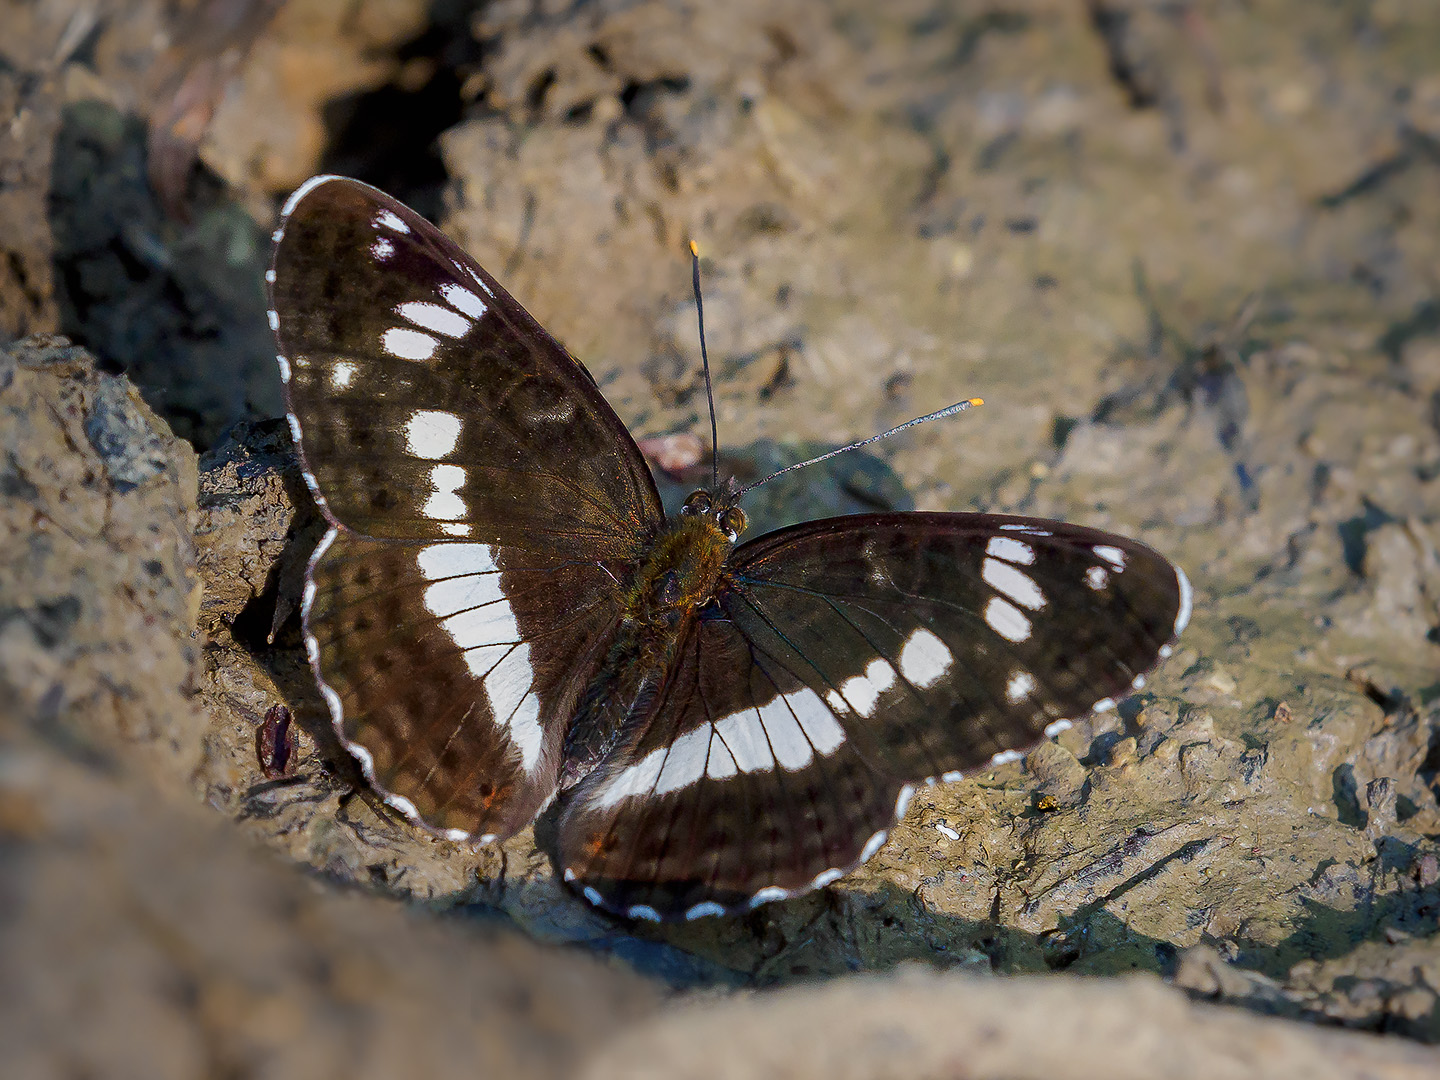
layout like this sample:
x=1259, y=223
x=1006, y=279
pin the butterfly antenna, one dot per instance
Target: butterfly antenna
x=705, y=363
x=949, y=410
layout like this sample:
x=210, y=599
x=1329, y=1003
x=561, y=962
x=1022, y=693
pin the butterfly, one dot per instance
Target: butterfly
x=501, y=615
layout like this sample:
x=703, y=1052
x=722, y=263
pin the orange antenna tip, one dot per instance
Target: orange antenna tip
x=977, y=401
x=694, y=249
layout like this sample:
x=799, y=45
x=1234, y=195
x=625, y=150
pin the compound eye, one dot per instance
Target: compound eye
x=732, y=523
x=697, y=503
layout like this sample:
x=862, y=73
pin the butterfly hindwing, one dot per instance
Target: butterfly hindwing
x=743, y=785
x=845, y=661
x=475, y=480
x=454, y=668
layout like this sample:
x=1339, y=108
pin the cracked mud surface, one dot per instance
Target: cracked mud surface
x=1186, y=256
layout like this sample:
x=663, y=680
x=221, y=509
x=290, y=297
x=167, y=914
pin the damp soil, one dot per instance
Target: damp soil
x=1186, y=254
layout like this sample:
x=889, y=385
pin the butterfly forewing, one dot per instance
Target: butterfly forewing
x=429, y=403
x=476, y=481
x=846, y=661
x=1002, y=626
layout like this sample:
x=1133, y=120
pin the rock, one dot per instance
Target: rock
x=922, y=1024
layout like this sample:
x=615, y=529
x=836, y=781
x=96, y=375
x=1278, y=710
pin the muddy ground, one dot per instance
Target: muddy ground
x=1186, y=252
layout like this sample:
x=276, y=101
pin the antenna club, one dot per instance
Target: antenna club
x=976, y=401
x=694, y=249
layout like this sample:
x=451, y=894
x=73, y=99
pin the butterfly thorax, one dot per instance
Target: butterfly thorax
x=679, y=572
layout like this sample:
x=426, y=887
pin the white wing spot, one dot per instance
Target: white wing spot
x=1051, y=730
x=342, y=374
x=284, y=367
x=902, y=801
x=444, y=503
x=826, y=877
x=1138, y=682
x=767, y=894
x=1012, y=583
x=294, y=422
x=508, y=686
x=760, y=739
x=722, y=763
x=744, y=735
x=406, y=344
x=1018, y=688
x=466, y=597
x=874, y=844
x=431, y=433
x=454, y=560
x=1004, y=757
x=270, y=276
x=863, y=691
x=457, y=835
x=1105, y=704
x=1011, y=550
x=404, y=805
x=382, y=248
x=434, y=317
x=1182, y=617
x=360, y=754
x=819, y=724
x=951, y=776
x=643, y=911
x=1026, y=530
x=1007, y=620
x=388, y=219
x=274, y=317
x=637, y=779
x=462, y=299
x=684, y=764
x=788, y=741
x=300, y=193
x=924, y=659
x=479, y=281
x=1112, y=555
x=701, y=910
x=593, y=895
x=1097, y=577
x=455, y=528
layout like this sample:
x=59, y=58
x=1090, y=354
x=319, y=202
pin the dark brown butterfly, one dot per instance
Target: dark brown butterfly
x=501, y=613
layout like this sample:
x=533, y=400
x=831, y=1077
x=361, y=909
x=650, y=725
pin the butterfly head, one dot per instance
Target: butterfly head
x=720, y=507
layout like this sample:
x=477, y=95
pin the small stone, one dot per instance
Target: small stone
x=1427, y=870
x=130, y=450
x=1380, y=801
